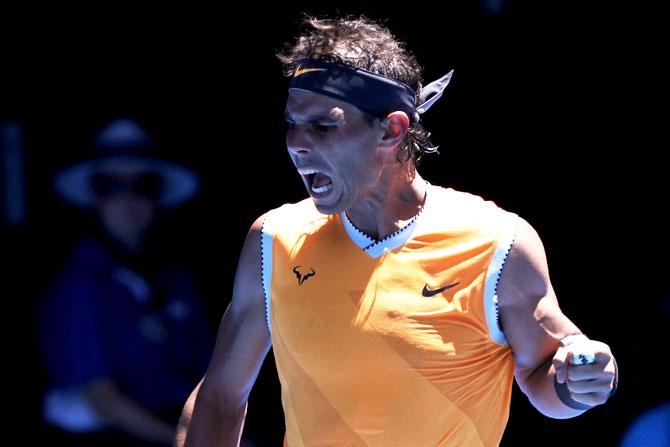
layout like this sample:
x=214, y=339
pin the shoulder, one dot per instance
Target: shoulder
x=460, y=200
x=292, y=219
x=304, y=209
x=526, y=271
x=464, y=211
x=82, y=273
x=527, y=244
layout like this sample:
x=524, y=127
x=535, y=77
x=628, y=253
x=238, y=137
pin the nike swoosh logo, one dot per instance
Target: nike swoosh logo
x=302, y=71
x=428, y=292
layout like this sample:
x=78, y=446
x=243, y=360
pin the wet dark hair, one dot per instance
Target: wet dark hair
x=369, y=45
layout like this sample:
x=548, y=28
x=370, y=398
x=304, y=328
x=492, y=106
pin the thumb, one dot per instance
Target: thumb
x=560, y=362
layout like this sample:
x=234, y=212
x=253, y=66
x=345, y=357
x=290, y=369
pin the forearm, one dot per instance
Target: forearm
x=209, y=422
x=540, y=388
x=125, y=414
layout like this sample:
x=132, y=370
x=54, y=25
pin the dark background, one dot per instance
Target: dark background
x=554, y=112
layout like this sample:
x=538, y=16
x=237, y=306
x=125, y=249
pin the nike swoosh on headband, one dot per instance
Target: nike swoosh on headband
x=302, y=71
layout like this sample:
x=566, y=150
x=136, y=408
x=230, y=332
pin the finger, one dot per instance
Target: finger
x=591, y=399
x=587, y=386
x=584, y=372
x=582, y=357
x=605, y=358
x=564, y=355
x=590, y=351
x=560, y=363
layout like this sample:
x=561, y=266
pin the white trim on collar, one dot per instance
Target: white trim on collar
x=375, y=248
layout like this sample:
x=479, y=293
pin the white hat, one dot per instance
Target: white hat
x=123, y=147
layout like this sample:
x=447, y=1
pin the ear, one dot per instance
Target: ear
x=395, y=128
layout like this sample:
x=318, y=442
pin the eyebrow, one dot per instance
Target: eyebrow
x=312, y=119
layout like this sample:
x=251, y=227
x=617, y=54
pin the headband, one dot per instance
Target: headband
x=370, y=92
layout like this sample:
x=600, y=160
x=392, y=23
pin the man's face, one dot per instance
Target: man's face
x=335, y=149
x=126, y=203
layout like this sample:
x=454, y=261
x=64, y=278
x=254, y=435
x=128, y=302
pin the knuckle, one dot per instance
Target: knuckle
x=600, y=398
x=573, y=374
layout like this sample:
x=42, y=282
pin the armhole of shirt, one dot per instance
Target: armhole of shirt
x=509, y=224
x=266, y=265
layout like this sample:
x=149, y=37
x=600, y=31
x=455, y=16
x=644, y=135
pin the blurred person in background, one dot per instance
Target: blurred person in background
x=650, y=429
x=122, y=330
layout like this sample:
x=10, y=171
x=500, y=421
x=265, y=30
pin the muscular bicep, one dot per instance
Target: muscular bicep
x=532, y=319
x=243, y=339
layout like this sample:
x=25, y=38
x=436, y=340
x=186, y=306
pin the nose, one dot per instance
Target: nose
x=297, y=140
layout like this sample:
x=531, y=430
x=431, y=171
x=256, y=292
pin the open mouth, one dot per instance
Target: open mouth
x=317, y=181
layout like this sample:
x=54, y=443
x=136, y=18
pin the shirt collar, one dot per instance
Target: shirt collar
x=375, y=248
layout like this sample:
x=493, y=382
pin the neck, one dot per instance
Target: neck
x=130, y=243
x=391, y=206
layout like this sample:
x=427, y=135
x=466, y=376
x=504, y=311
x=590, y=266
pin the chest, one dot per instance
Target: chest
x=403, y=313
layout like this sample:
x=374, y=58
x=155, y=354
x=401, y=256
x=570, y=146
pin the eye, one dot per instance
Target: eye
x=324, y=128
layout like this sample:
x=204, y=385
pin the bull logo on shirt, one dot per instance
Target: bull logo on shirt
x=301, y=275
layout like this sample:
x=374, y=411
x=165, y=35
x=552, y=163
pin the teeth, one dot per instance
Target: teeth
x=323, y=188
x=307, y=171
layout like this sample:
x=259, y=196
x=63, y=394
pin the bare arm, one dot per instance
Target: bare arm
x=214, y=414
x=125, y=414
x=535, y=325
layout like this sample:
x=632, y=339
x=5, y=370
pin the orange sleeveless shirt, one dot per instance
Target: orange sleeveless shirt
x=393, y=342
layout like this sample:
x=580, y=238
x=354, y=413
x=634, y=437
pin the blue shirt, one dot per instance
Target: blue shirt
x=101, y=319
